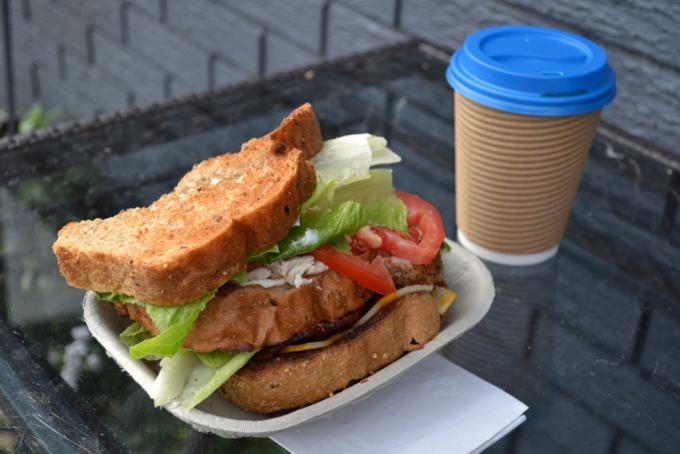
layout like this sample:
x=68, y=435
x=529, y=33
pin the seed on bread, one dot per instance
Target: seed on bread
x=96, y=254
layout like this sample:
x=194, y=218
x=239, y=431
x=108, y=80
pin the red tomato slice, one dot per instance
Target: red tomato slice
x=374, y=275
x=426, y=218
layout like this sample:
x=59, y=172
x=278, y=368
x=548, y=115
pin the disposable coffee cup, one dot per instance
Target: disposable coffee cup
x=527, y=104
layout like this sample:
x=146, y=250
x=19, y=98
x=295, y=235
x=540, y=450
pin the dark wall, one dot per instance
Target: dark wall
x=91, y=56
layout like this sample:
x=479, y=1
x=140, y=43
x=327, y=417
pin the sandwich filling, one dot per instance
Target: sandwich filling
x=295, y=271
x=356, y=239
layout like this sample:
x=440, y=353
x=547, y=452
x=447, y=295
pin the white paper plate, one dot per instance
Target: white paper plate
x=464, y=273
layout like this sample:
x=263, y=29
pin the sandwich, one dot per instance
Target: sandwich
x=277, y=275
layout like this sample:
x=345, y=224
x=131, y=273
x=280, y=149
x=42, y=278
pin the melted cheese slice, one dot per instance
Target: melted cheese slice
x=442, y=296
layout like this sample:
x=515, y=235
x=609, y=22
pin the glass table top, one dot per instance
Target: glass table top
x=589, y=340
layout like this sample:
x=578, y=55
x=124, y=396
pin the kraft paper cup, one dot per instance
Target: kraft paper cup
x=516, y=179
x=527, y=104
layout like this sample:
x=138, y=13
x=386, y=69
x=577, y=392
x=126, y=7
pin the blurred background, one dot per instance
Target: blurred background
x=80, y=58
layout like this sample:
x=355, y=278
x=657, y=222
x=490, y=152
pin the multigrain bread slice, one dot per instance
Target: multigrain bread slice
x=195, y=238
x=296, y=379
x=300, y=131
x=253, y=317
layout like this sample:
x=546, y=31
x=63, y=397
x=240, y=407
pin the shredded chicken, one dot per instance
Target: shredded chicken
x=291, y=271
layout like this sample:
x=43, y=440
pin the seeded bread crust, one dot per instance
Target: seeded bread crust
x=297, y=379
x=195, y=238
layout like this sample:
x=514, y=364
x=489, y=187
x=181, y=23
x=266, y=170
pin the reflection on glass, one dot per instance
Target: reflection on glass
x=34, y=289
x=501, y=348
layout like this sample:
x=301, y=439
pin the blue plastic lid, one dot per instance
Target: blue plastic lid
x=532, y=71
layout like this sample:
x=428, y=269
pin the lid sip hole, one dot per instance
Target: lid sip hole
x=570, y=93
x=552, y=73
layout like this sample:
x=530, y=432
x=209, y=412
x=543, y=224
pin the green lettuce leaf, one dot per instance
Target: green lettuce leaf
x=369, y=201
x=173, y=376
x=341, y=244
x=216, y=359
x=204, y=380
x=377, y=196
x=254, y=257
x=116, y=297
x=241, y=277
x=134, y=334
x=348, y=196
x=192, y=377
x=174, y=322
x=343, y=219
x=323, y=194
x=444, y=248
x=348, y=158
x=345, y=160
x=319, y=227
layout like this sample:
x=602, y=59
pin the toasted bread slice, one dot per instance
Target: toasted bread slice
x=195, y=238
x=300, y=130
x=296, y=379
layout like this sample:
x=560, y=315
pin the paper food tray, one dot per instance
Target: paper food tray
x=464, y=274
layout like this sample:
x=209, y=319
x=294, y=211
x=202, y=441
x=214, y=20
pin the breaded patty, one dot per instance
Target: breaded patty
x=246, y=318
x=406, y=273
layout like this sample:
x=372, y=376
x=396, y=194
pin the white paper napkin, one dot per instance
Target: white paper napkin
x=436, y=407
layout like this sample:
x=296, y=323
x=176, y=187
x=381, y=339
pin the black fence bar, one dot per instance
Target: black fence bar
x=163, y=11
x=396, y=19
x=323, y=28
x=262, y=52
x=9, y=68
x=672, y=201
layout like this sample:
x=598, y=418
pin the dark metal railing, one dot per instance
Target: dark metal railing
x=9, y=68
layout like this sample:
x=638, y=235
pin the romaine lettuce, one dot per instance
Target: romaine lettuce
x=204, y=380
x=376, y=194
x=241, y=277
x=367, y=201
x=134, y=334
x=215, y=359
x=444, y=248
x=319, y=227
x=191, y=378
x=173, y=376
x=341, y=244
x=115, y=297
x=346, y=160
x=174, y=323
x=254, y=257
